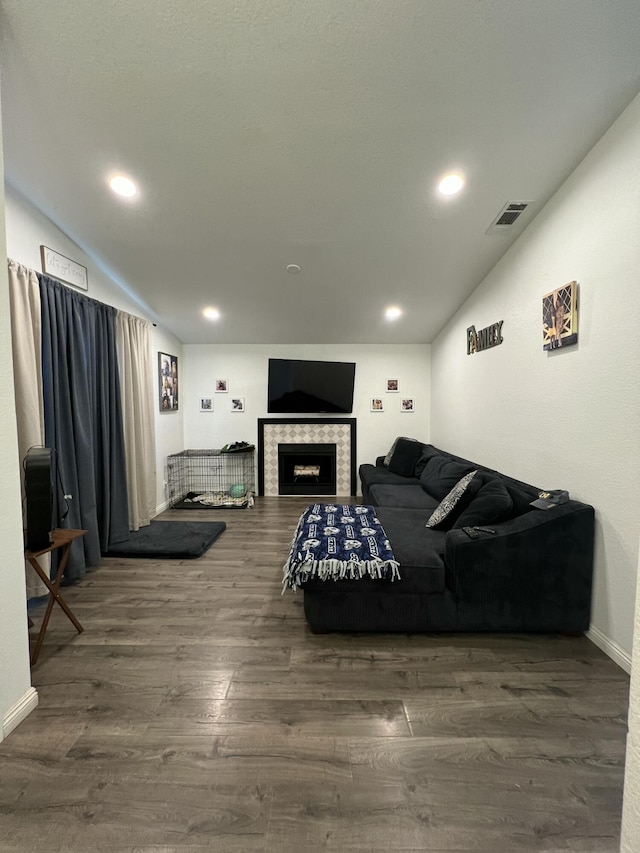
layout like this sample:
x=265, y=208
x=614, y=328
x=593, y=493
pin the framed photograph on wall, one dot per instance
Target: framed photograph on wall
x=408, y=405
x=168, y=382
x=560, y=317
x=377, y=405
x=393, y=386
x=206, y=404
x=222, y=386
x=237, y=404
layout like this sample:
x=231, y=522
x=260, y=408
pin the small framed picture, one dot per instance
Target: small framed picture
x=392, y=386
x=408, y=404
x=237, y=404
x=222, y=386
x=377, y=405
x=206, y=404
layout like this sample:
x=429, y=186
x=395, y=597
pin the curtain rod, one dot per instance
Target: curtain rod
x=143, y=319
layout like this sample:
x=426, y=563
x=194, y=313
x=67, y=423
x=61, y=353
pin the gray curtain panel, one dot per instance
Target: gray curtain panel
x=83, y=418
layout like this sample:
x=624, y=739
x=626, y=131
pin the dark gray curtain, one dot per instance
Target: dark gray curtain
x=83, y=418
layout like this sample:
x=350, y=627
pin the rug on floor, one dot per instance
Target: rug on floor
x=170, y=539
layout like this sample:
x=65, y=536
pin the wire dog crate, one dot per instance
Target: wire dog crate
x=211, y=478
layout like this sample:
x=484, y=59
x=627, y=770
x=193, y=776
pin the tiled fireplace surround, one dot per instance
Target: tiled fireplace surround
x=338, y=431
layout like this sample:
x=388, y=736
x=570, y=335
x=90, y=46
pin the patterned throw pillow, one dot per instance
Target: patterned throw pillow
x=452, y=504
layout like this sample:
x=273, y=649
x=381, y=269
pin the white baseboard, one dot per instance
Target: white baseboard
x=610, y=648
x=164, y=505
x=19, y=712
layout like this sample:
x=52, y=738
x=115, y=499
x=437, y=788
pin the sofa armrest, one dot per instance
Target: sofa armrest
x=380, y=461
x=534, y=573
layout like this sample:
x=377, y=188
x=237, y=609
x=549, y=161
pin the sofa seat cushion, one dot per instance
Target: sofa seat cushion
x=418, y=549
x=409, y=496
x=440, y=475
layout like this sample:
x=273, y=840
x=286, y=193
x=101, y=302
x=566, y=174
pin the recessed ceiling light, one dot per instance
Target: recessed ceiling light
x=451, y=184
x=393, y=312
x=294, y=269
x=211, y=313
x=123, y=186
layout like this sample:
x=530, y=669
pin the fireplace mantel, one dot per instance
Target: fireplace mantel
x=274, y=431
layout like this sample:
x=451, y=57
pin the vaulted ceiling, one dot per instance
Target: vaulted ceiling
x=263, y=133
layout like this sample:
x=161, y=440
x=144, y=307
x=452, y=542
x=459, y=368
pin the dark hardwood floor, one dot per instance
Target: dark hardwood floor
x=197, y=712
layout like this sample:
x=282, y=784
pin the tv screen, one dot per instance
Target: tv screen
x=310, y=387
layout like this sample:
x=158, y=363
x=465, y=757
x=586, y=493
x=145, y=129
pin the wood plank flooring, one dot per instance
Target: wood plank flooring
x=198, y=713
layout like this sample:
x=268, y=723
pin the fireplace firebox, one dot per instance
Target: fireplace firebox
x=306, y=469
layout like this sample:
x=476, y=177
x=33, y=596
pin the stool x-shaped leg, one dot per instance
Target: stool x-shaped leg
x=61, y=539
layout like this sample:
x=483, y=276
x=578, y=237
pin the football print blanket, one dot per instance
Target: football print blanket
x=336, y=542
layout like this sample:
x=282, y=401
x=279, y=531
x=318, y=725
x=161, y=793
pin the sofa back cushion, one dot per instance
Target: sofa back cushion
x=492, y=503
x=521, y=497
x=440, y=475
x=428, y=450
x=405, y=455
x=410, y=496
x=392, y=449
x=521, y=493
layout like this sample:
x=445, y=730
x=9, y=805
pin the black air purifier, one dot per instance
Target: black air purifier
x=38, y=488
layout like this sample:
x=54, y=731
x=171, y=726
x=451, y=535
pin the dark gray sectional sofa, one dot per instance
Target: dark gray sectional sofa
x=534, y=573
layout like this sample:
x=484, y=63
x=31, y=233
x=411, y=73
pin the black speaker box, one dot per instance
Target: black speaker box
x=38, y=488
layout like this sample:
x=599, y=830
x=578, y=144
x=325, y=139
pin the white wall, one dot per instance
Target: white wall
x=245, y=367
x=28, y=229
x=16, y=694
x=568, y=419
x=631, y=806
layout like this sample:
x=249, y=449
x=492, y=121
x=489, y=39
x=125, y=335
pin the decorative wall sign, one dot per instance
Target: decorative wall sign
x=490, y=336
x=237, y=404
x=408, y=404
x=63, y=268
x=393, y=386
x=377, y=405
x=222, y=386
x=206, y=404
x=560, y=317
x=168, y=381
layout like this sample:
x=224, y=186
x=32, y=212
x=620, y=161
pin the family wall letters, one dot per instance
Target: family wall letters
x=490, y=336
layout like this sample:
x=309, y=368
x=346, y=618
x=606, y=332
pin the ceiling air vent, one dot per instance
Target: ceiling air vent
x=509, y=214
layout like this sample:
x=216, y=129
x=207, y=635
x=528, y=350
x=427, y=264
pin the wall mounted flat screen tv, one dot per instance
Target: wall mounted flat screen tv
x=310, y=387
